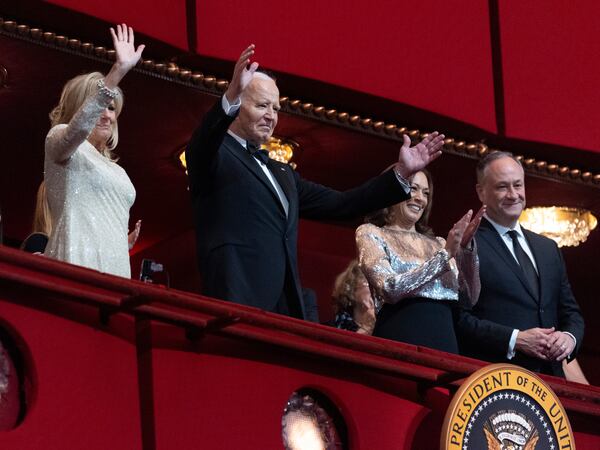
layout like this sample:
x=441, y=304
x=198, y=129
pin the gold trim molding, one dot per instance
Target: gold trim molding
x=212, y=85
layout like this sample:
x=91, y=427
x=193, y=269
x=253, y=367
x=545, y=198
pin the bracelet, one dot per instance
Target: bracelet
x=403, y=181
x=102, y=89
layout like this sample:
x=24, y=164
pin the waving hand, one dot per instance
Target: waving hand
x=242, y=74
x=127, y=55
x=413, y=159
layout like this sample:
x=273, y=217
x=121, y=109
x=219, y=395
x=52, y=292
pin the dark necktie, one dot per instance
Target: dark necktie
x=258, y=153
x=525, y=263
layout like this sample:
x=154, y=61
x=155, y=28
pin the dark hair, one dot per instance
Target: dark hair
x=384, y=216
x=490, y=158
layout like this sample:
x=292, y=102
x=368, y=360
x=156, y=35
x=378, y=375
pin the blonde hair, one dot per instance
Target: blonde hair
x=42, y=220
x=73, y=96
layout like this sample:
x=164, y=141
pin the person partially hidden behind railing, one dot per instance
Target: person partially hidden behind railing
x=89, y=194
x=352, y=302
x=42, y=224
x=414, y=276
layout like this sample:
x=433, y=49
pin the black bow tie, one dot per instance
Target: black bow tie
x=258, y=153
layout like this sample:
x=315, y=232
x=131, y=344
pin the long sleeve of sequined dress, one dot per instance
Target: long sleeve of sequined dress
x=468, y=274
x=403, y=264
x=89, y=196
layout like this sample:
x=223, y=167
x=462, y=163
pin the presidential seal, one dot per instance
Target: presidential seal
x=505, y=407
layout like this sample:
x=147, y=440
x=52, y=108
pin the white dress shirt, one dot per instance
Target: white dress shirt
x=503, y=232
x=230, y=110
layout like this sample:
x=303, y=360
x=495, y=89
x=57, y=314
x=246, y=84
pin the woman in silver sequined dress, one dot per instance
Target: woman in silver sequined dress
x=88, y=192
x=414, y=276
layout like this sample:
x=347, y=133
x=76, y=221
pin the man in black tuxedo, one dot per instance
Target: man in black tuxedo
x=246, y=208
x=526, y=313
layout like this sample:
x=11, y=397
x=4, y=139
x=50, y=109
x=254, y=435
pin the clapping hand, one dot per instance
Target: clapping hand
x=413, y=159
x=456, y=234
x=463, y=231
x=242, y=75
x=472, y=227
x=134, y=235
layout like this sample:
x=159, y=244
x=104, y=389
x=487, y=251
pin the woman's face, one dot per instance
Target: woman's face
x=407, y=213
x=104, y=126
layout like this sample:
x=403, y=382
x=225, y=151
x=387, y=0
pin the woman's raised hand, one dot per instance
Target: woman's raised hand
x=127, y=55
x=123, y=41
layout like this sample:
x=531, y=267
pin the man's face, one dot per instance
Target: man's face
x=502, y=189
x=258, y=112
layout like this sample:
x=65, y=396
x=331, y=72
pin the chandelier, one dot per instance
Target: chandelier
x=279, y=149
x=567, y=226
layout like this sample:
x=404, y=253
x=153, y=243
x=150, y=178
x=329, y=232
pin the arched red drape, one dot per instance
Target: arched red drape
x=433, y=55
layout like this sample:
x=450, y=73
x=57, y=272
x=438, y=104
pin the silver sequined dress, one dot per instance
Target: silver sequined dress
x=89, y=197
x=415, y=284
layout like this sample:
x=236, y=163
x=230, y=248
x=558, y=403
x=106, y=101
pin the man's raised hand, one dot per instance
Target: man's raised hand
x=242, y=75
x=413, y=159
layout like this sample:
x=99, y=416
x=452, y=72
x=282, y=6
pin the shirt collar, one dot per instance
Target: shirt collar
x=502, y=230
x=242, y=141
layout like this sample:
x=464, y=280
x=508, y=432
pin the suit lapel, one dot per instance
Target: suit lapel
x=239, y=152
x=488, y=233
x=285, y=179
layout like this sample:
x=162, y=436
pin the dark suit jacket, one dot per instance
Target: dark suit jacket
x=507, y=302
x=246, y=245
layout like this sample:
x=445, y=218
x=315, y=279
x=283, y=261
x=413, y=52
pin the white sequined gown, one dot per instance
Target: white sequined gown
x=89, y=197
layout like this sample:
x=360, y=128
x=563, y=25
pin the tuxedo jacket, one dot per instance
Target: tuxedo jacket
x=507, y=301
x=246, y=245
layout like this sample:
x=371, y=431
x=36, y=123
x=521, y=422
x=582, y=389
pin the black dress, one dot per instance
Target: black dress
x=419, y=321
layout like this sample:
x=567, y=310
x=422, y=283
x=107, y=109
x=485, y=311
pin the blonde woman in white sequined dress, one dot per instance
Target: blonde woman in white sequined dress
x=88, y=192
x=414, y=276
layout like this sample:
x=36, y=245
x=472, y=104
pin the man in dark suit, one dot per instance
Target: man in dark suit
x=526, y=313
x=246, y=208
